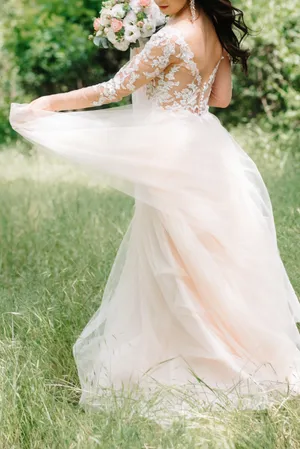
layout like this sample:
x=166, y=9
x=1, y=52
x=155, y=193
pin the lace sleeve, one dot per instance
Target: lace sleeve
x=156, y=55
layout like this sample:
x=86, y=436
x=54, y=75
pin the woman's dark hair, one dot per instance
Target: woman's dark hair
x=230, y=27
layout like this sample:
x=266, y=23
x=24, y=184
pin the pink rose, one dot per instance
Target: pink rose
x=140, y=23
x=116, y=25
x=97, y=23
x=145, y=3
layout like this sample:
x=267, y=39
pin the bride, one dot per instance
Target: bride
x=198, y=295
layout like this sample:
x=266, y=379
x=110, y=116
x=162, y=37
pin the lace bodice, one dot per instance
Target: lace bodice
x=165, y=65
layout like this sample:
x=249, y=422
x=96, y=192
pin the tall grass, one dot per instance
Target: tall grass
x=59, y=236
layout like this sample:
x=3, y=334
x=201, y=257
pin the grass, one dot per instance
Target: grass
x=59, y=236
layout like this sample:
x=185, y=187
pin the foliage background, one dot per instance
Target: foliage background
x=44, y=48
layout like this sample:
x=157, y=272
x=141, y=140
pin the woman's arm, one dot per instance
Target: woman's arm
x=156, y=55
x=221, y=91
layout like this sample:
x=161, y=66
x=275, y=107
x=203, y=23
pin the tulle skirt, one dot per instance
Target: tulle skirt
x=198, y=298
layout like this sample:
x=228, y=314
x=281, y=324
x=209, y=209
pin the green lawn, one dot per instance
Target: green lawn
x=59, y=236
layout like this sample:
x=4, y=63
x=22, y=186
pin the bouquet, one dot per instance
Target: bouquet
x=122, y=23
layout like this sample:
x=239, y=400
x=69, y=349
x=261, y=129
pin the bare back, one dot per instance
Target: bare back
x=207, y=50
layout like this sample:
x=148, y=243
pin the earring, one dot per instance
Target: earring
x=193, y=10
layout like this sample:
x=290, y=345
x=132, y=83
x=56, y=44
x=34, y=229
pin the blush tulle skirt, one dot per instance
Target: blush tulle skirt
x=198, y=298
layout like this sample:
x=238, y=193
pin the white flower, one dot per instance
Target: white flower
x=148, y=28
x=111, y=36
x=105, y=11
x=123, y=45
x=108, y=5
x=118, y=11
x=130, y=19
x=132, y=33
x=158, y=17
x=105, y=16
x=135, y=6
x=162, y=19
x=114, y=11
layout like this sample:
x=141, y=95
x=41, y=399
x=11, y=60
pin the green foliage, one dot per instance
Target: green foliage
x=49, y=43
x=273, y=84
x=44, y=49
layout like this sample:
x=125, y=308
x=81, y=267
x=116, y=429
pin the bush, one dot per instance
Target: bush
x=45, y=49
x=272, y=86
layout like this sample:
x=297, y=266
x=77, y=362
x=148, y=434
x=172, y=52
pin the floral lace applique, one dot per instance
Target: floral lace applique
x=166, y=65
x=156, y=55
x=192, y=94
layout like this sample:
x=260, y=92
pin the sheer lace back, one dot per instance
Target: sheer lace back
x=180, y=85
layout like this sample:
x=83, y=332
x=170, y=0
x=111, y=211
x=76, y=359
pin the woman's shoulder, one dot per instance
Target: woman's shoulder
x=203, y=42
x=182, y=34
x=167, y=36
x=170, y=33
x=173, y=31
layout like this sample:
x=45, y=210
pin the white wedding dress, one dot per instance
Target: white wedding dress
x=198, y=296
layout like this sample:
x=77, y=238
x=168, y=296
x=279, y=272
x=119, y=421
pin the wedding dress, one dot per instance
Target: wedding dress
x=198, y=295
